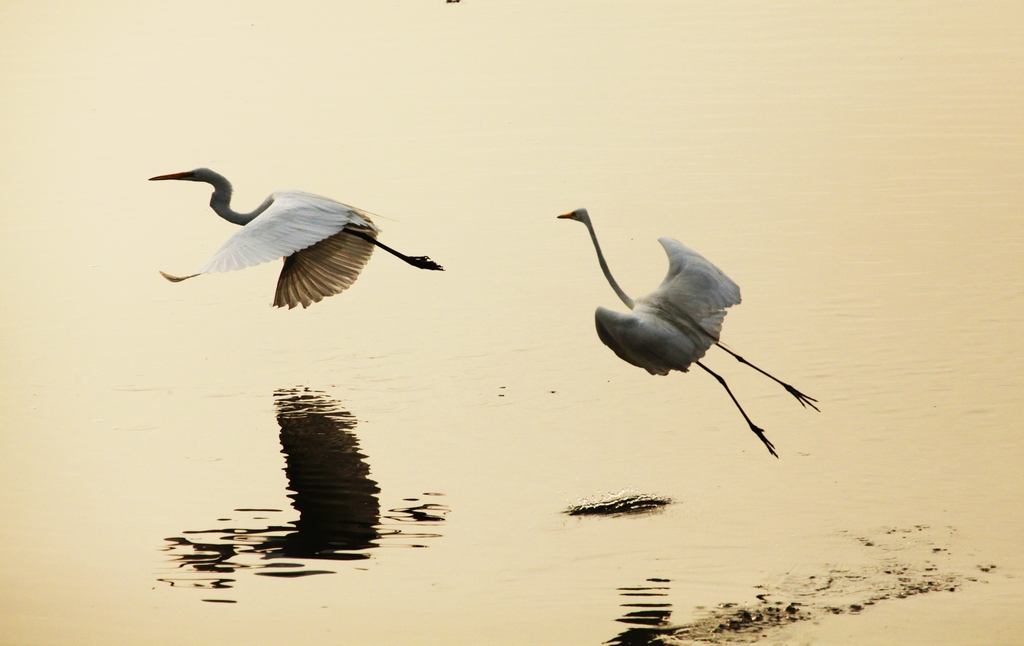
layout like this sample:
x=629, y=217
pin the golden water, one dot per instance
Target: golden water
x=859, y=171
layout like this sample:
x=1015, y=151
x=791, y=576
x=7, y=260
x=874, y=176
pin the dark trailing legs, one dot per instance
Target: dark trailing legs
x=759, y=432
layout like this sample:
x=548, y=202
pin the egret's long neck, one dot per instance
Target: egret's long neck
x=604, y=267
x=220, y=201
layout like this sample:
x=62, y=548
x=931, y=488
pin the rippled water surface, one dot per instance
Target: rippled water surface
x=402, y=463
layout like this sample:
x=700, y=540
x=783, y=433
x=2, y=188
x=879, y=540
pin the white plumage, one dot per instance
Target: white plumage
x=293, y=221
x=325, y=244
x=674, y=326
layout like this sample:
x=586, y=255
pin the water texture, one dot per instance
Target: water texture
x=410, y=461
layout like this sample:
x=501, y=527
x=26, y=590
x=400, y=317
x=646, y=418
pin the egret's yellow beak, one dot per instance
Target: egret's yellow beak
x=564, y=215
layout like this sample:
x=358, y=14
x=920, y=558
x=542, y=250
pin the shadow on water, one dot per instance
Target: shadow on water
x=340, y=517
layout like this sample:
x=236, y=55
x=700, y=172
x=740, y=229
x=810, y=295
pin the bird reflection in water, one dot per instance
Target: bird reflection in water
x=340, y=516
x=648, y=614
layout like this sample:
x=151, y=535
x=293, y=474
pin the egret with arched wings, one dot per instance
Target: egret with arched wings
x=673, y=326
x=325, y=244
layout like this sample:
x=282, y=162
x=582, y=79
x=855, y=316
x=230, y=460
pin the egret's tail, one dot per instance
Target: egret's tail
x=176, y=279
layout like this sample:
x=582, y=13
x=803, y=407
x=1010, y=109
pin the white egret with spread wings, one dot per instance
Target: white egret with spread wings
x=676, y=324
x=325, y=244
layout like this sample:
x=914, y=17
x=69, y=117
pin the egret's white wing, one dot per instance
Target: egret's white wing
x=649, y=342
x=293, y=221
x=326, y=268
x=694, y=295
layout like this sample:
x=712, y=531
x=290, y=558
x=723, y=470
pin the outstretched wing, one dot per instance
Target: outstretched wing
x=324, y=269
x=293, y=221
x=693, y=297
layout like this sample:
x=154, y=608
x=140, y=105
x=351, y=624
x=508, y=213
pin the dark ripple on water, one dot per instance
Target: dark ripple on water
x=647, y=613
x=890, y=572
x=620, y=504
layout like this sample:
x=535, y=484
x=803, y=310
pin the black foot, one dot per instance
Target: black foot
x=424, y=262
x=804, y=400
x=759, y=432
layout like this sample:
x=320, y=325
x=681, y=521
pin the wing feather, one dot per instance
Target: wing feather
x=294, y=221
x=694, y=295
x=324, y=269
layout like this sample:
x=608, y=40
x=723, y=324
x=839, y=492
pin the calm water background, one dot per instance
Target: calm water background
x=858, y=170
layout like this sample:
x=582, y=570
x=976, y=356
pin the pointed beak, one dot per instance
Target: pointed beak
x=564, y=215
x=182, y=175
